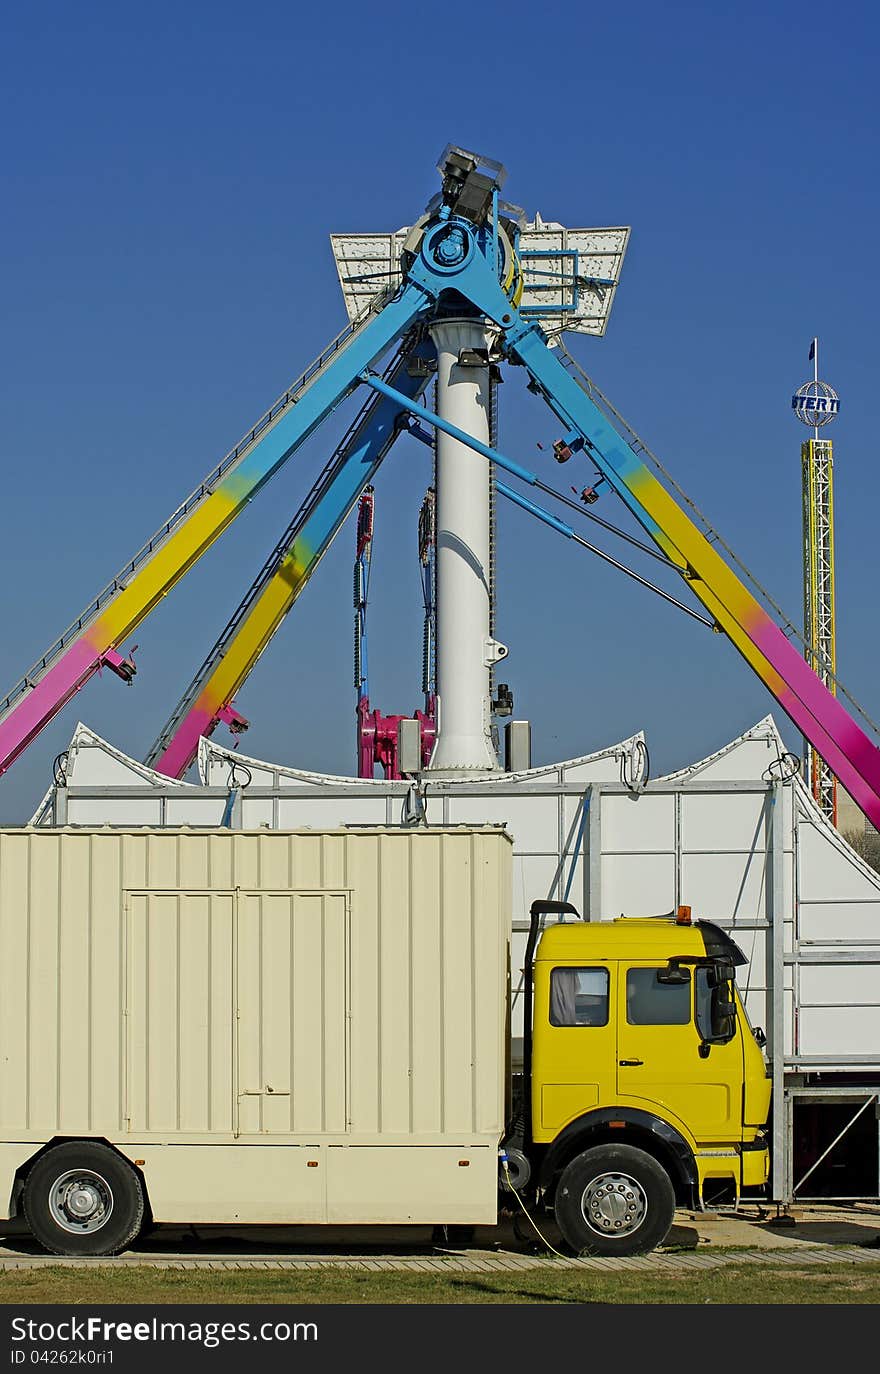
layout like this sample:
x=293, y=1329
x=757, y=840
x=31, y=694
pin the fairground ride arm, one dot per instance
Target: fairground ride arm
x=250, y=629
x=93, y=640
x=848, y=751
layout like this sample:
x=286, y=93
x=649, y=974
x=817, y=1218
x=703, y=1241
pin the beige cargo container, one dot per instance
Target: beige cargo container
x=273, y=1027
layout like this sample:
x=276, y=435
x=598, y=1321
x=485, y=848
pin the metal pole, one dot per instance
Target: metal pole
x=465, y=649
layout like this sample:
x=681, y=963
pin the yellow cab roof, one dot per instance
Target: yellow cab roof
x=644, y=937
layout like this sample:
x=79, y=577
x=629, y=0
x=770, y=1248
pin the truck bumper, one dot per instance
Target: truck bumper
x=755, y=1166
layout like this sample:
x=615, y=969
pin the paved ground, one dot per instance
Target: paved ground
x=815, y=1235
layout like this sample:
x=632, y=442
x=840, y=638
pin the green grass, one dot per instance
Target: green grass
x=763, y=1283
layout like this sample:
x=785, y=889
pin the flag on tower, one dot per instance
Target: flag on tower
x=813, y=349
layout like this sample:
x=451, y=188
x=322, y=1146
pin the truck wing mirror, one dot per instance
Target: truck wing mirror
x=722, y=1015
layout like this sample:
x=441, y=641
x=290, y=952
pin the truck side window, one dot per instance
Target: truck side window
x=652, y=1003
x=579, y=997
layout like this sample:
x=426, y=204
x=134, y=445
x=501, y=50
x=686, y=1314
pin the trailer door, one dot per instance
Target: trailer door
x=291, y=1023
x=179, y=1012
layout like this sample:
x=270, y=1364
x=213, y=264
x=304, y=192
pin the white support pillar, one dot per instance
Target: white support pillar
x=465, y=650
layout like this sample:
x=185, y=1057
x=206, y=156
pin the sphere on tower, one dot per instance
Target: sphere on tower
x=815, y=403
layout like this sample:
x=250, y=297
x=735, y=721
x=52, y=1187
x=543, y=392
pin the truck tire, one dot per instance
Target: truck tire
x=614, y=1200
x=81, y=1198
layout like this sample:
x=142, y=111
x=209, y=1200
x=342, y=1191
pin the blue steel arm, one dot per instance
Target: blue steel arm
x=524, y=475
x=851, y=755
x=839, y=740
x=208, y=699
x=184, y=540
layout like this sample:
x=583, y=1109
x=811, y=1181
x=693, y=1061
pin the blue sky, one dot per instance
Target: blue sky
x=170, y=178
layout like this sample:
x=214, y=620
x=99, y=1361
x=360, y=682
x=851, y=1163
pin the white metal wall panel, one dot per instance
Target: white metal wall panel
x=756, y=1006
x=259, y=811
x=730, y=820
x=827, y=872
x=842, y=1031
x=536, y=823
x=534, y=875
x=847, y=985
x=638, y=824
x=194, y=811
x=637, y=885
x=725, y=887
x=127, y=811
x=753, y=944
x=853, y=923
x=323, y=813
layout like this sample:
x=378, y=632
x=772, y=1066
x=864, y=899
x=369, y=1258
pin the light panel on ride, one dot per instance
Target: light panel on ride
x=568, y=276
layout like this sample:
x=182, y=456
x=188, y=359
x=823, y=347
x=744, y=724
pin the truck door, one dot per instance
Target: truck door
x=573, y=1070
x=659, y=1064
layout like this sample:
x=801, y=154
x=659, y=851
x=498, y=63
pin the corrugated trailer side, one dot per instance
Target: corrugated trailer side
x=278, y=1026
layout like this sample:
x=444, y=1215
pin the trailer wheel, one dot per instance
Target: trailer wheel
x=81, y=1198
x=614, y=1200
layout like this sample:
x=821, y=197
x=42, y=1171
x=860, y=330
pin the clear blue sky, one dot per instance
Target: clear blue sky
x=171, y=174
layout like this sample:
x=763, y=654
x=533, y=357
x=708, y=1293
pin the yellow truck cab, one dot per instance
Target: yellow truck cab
x=648, y=1086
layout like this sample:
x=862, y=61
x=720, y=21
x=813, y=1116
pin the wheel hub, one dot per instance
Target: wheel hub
x=80, y=1201
x=83, y=1201
x=614, y=1204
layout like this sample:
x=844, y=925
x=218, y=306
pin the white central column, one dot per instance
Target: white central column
x=465, y=651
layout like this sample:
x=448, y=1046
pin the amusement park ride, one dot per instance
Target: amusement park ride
x=470, y=288
x=816, y=404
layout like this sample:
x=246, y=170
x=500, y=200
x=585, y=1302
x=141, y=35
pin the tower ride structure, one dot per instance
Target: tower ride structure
x=816, y=404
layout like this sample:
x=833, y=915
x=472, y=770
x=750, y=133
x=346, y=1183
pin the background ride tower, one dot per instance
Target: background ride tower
x=816, y=404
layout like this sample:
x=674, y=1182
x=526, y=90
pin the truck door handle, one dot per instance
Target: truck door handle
x=628, y=1062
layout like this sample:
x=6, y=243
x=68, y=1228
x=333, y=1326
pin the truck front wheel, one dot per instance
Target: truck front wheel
x=614, y=1200
x=81, y=1198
